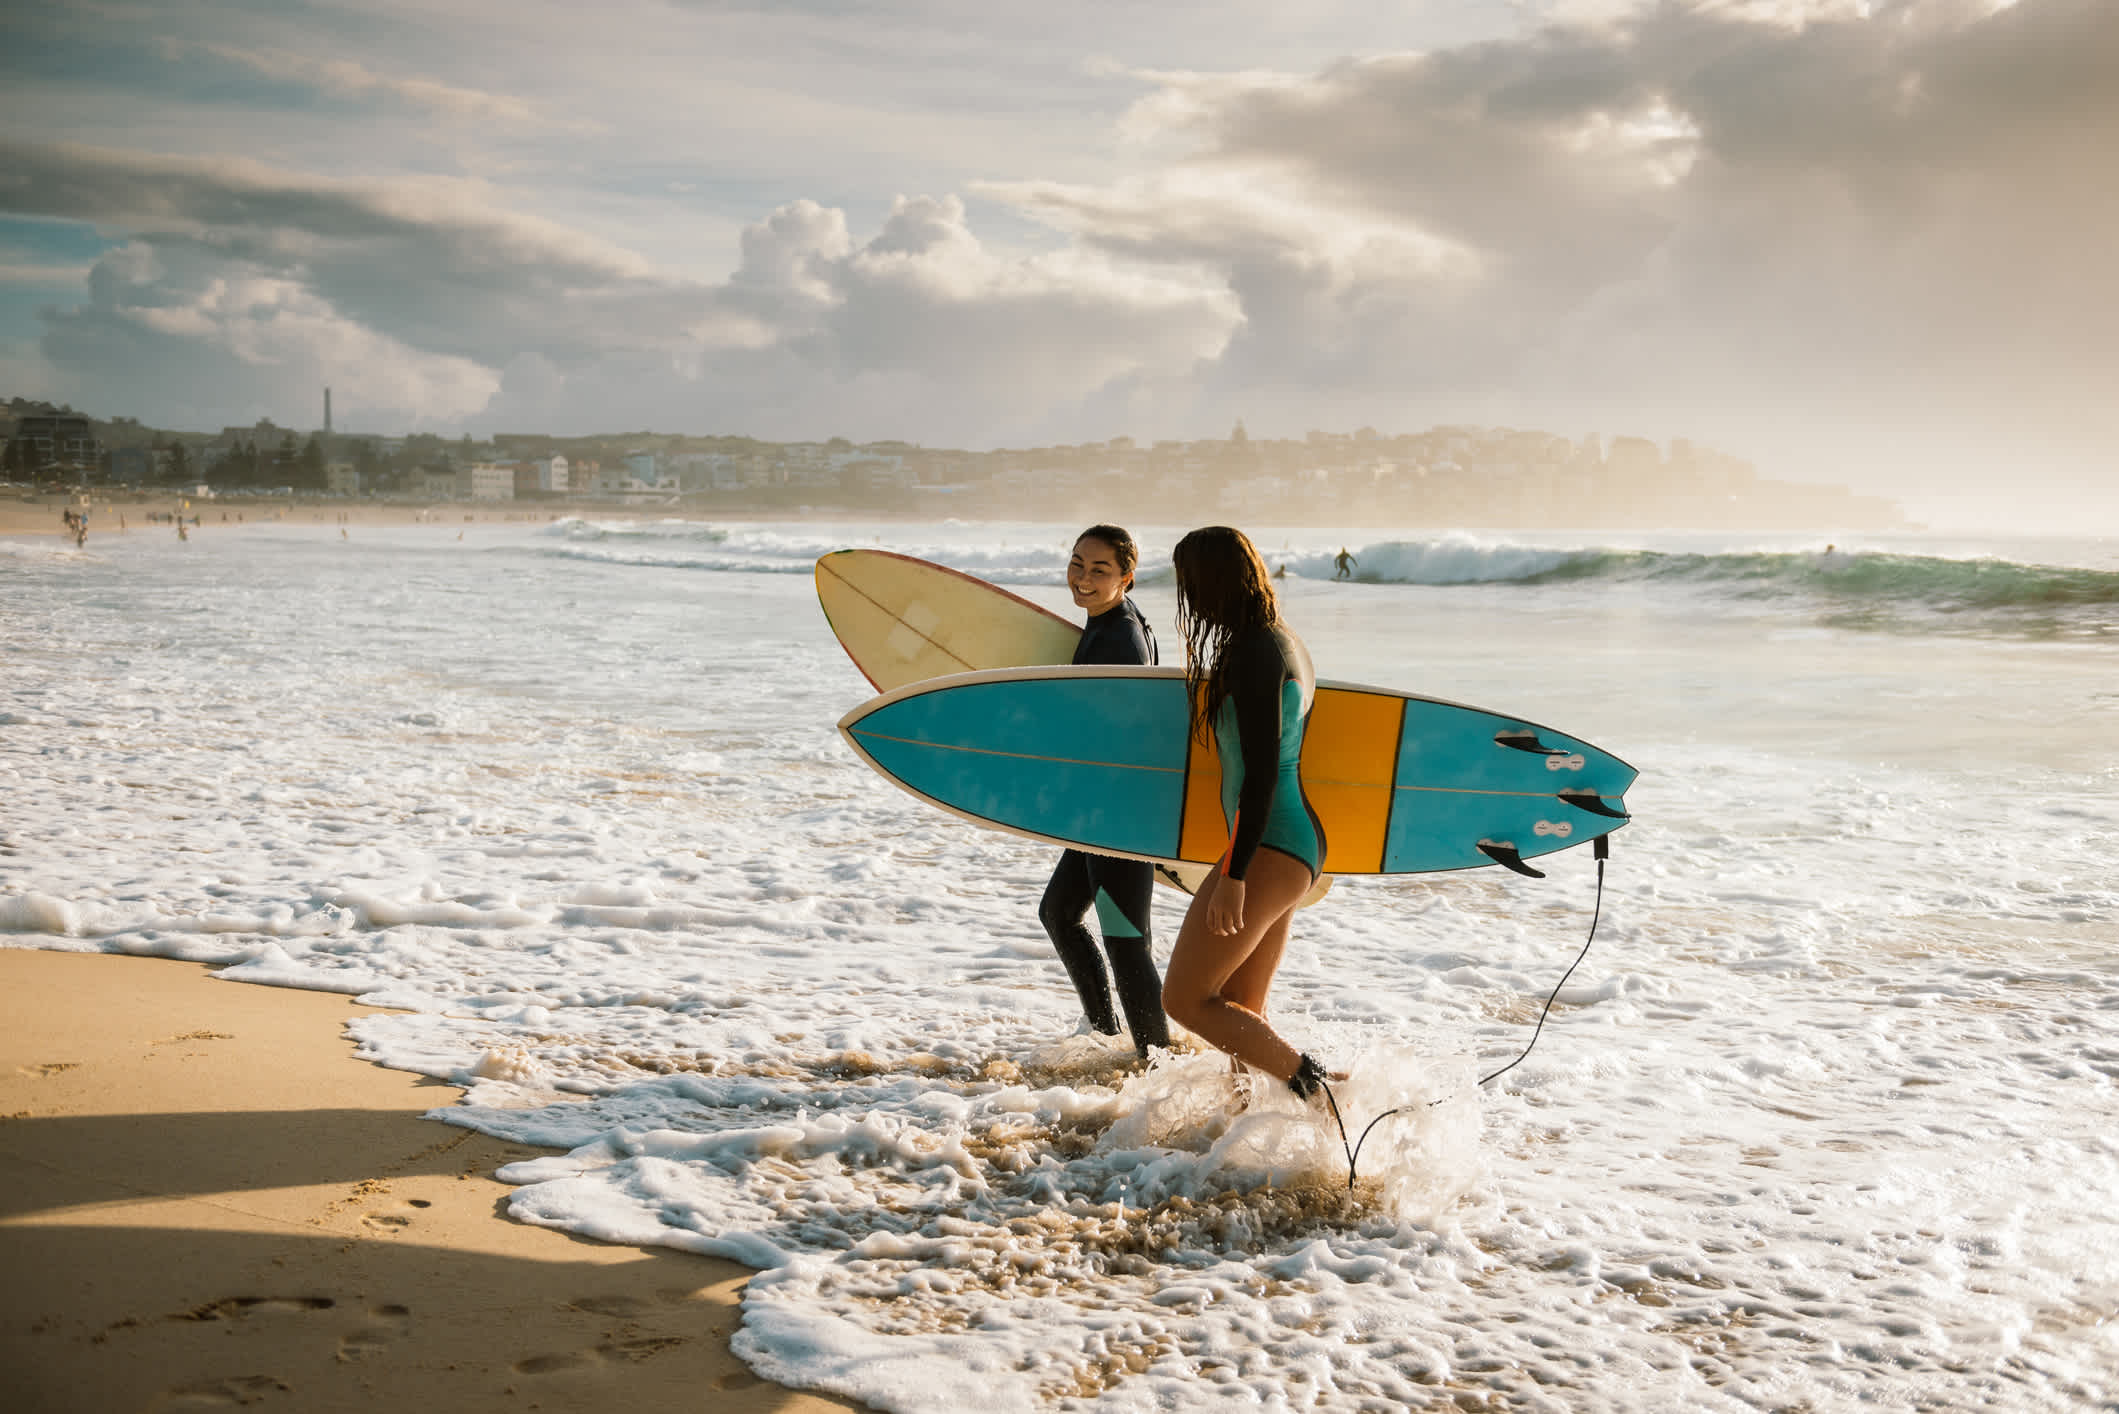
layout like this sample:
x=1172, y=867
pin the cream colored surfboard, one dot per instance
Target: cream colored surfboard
x=904, y=620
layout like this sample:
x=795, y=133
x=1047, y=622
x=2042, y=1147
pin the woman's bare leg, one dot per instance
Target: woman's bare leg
x=1252, y=980
x=1216, y=985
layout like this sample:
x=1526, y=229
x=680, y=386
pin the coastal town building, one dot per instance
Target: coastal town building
x=432, y=484
x=485, y=481
x=44, y=441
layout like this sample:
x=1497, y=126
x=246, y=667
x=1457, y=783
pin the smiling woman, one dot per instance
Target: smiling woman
x=1099, y=574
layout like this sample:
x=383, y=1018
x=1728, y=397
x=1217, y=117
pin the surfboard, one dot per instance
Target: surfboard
x=904, y=620
x=1102, y=758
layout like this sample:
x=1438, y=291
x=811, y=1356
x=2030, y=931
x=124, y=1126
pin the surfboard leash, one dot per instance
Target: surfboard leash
x=1601, y=850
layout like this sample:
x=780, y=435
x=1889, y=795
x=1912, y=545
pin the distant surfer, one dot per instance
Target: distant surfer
x=1252, y=686
x=1099, y=574
x=1345, y=563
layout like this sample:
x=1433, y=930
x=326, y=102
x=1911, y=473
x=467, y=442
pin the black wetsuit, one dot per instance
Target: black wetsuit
x=1119, y=889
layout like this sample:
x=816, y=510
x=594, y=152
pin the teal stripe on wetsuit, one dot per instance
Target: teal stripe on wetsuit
x=1291, y=825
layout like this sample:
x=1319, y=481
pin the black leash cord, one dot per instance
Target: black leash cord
x=1603, y=852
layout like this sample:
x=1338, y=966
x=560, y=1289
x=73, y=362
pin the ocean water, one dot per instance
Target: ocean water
x=1825, y=1118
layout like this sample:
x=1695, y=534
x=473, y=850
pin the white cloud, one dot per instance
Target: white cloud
x=37, y=276
x=349, y=79
x=212, y=343
x=919, y=327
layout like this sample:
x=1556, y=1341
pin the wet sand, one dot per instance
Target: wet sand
x=207, y=1202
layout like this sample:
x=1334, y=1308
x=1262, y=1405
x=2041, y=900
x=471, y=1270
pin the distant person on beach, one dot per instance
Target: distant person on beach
x=1252, y=687
x=1099, y=574
x=1345, y=564
x=1282, y=572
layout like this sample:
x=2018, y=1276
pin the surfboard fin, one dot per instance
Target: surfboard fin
x=1523, y=739
x=1592, y=802
x=1506, y=856
x=1171, y=877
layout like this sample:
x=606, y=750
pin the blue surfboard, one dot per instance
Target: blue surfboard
x=1101, y=759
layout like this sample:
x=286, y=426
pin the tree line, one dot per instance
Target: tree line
x=298, y=465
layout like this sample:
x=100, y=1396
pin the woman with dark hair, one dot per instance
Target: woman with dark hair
x=1252, y=686
x=1098, y=574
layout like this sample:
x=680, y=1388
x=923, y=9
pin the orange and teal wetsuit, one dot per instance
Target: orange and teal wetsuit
x=1258, y=733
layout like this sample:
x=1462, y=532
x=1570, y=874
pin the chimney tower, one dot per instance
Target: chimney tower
x=327, y=411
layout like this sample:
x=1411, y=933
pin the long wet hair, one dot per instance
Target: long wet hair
x=1223, y=592
x=1121, y=543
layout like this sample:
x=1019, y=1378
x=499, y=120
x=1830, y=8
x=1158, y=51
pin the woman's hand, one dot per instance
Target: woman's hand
x=1225, y=908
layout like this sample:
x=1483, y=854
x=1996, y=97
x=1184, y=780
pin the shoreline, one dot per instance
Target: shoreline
x=223, y=1206
x=115, y=517
x=38, y=514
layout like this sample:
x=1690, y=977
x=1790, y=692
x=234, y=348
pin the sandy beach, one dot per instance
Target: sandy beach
x=127, y=513
x=209, y=1203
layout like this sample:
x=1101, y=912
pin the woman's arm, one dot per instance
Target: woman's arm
x=1256, y=673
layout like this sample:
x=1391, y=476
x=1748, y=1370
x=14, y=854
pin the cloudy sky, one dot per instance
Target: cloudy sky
x=1869, y=241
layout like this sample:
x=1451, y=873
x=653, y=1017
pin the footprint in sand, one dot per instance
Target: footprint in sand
x=622, y=1346
x=235, y=1308
x=391, y=1224
x=48, y=1069
x=554, y=1364
x=385, y=1324
x=609, y=1352
x=235, y=1390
